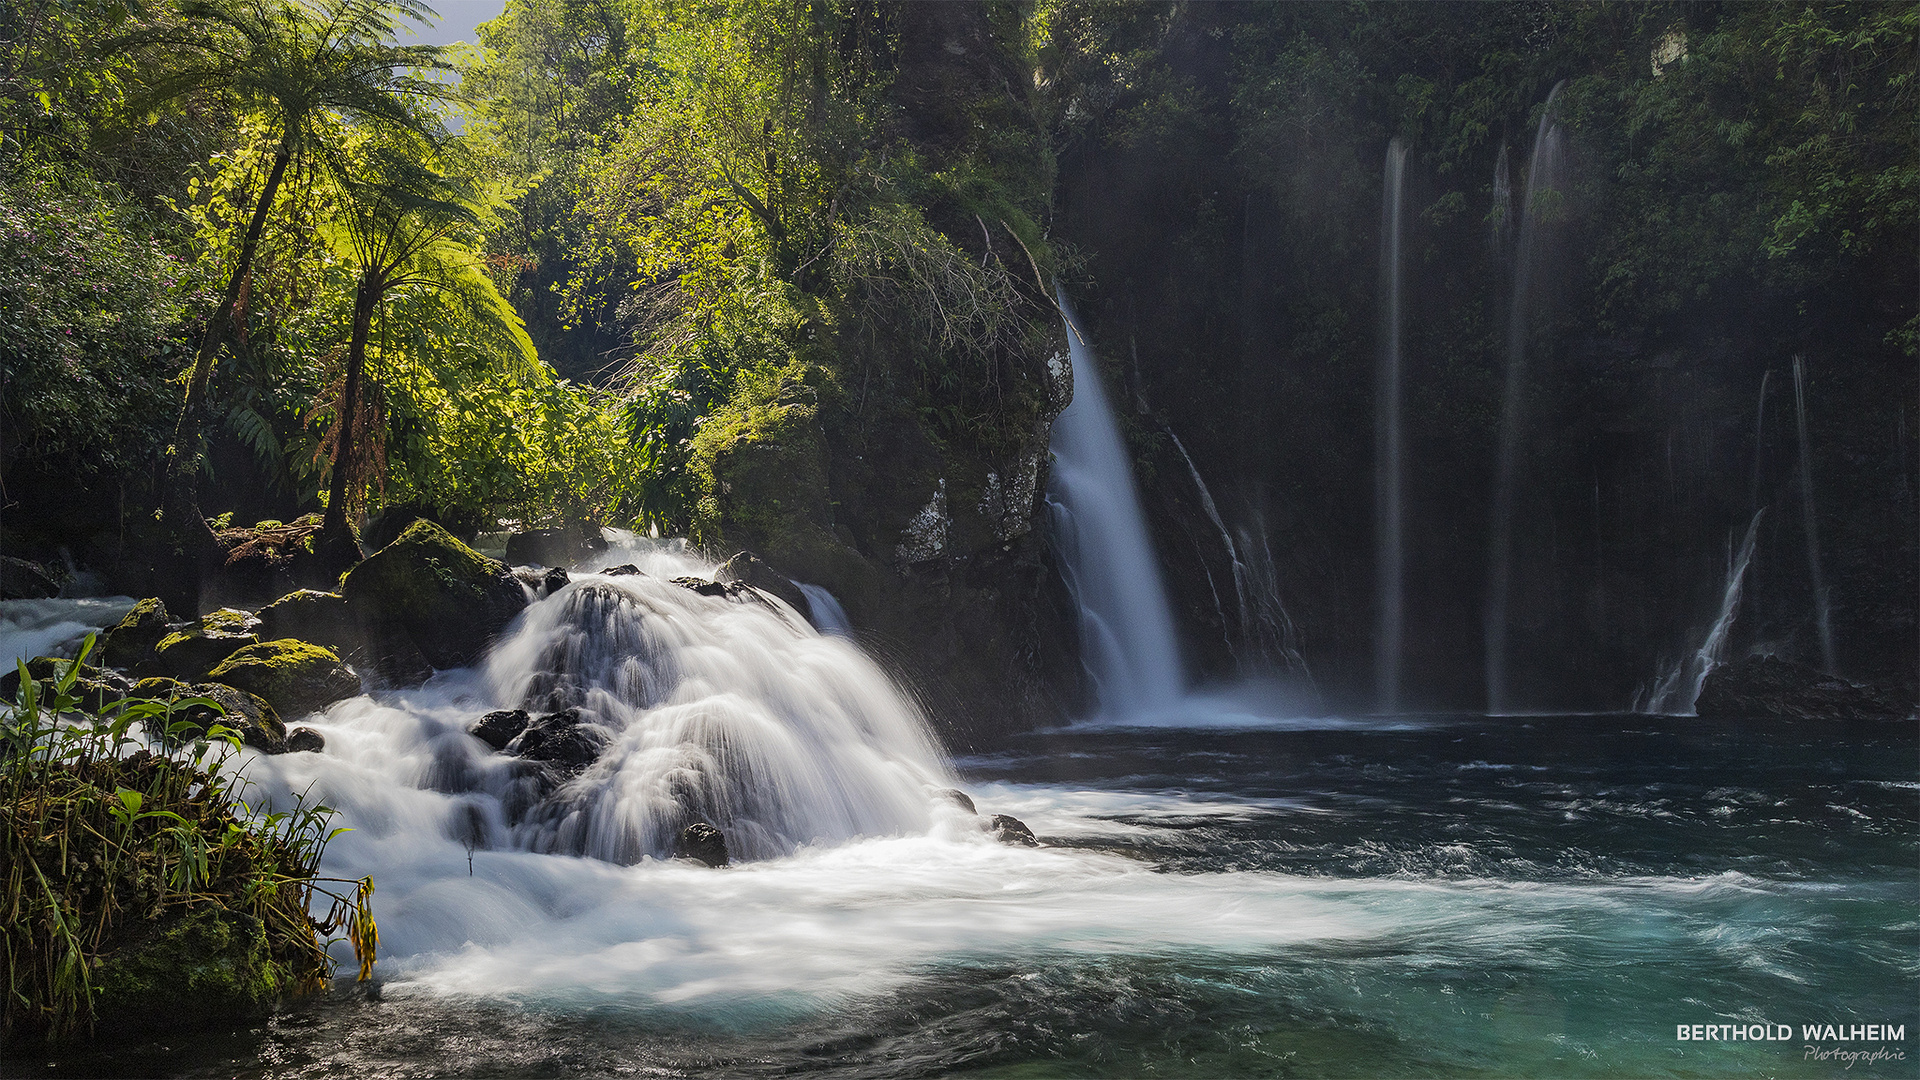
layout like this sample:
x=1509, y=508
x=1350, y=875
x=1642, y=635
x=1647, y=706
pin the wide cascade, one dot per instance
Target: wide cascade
x=1126, y=628
x=727, y=710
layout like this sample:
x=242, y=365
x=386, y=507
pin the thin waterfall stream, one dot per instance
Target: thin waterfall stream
x=1544, y=170
x=1676, y=691
x=1388, y=451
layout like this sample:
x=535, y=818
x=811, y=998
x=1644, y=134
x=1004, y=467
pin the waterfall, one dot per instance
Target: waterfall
x=1500, y=219
x=1823, y=615
x=1677, y=690
x=1544, y=170
x=1759, y=443
x=1126, y=629
x=824, y=611
x=1390, y=558
x=687, y=708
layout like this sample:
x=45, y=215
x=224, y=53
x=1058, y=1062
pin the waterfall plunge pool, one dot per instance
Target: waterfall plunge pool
x=1441, y=896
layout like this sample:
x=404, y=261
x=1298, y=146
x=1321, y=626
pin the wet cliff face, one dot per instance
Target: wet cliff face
x=1227, y=202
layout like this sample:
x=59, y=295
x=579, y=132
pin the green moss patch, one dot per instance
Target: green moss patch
x=295, y=677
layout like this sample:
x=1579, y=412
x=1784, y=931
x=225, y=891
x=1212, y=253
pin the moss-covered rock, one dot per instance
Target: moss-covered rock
x=322, y=618
x=295, y=677
x=132, y=639
x=192, y=652
x=429, y=591
x=214, y=962
x=256, y=721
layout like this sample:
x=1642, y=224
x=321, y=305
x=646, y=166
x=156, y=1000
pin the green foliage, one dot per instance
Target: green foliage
x=86, y=325
x=100, y=844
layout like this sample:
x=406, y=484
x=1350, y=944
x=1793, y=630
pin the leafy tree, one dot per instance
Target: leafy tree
x=304, y=66
x=402, y=225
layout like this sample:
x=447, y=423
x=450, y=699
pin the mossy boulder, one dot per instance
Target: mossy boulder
x=131, y=640
x=294, y=676
x=192, y=652
x=322, y=618
x=207, y=963
x=429, y=591
x=255, y=719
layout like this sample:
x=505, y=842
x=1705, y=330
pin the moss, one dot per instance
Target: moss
x=218, y=959
x=295, y=677
x=760, y=461
x=447, y=598
x=132, y=639
x=228, y=622
x=190, y=654
x=255, y=719
x=310, y=615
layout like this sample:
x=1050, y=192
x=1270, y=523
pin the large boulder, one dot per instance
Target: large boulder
x=254, y=719
x=94, y=689
x=130, y=642
x=321, y=618
x=433, y=593
x=1767, y=687
x=294, y=676
x=500, y=727
x=1011, y=830
x=191, y=652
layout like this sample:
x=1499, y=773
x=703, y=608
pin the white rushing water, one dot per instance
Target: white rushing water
x=30, y=628
x=826, y=613
x=1126, y=628
x=1676, y=692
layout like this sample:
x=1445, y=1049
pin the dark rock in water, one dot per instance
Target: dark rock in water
x=94, y=690
x=254, y=719
x=310, y=615
x=958, y=798
x=702, y=843
x=1011, y=830
x=543, y=580
x=191, y=652
x=303, y=740
x=558, y=739
x=1767, y=687
x=553, y=547
x=622, y=570
x=23, y=580
x=132, y=639
x=434, y=593
x=701, y=586
x=296, y=677
x=748, y=569
x=497, y=729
